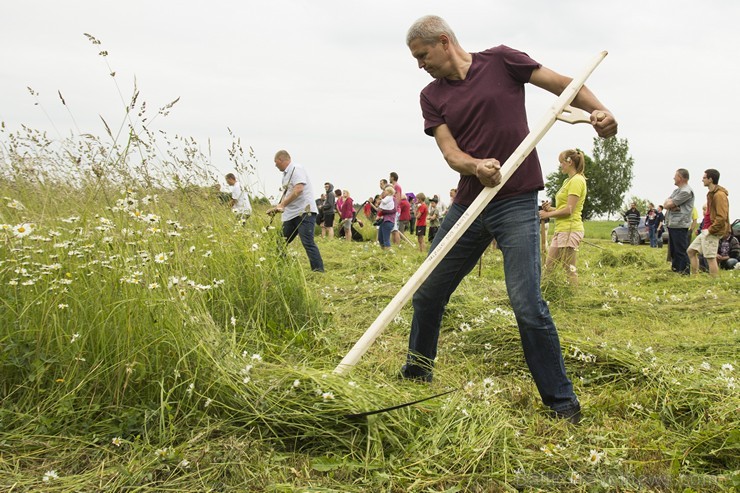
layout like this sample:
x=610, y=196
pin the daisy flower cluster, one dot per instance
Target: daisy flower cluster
x=132, y=206
x=245, y=372
x=484, y=390
x=726, y=376
x=576, y=353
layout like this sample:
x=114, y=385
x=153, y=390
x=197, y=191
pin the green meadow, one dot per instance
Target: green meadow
x=149, y=342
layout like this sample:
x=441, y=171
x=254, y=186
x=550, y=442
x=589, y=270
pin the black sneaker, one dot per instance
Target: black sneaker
x=415, y=373
x=572, y=415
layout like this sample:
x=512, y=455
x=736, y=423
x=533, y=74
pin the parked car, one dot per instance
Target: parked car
x=621, y=234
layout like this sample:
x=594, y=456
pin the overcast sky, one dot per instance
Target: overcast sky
x=334, y=84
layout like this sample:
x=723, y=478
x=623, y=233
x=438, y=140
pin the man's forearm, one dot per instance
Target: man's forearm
x=461, y=162
x=293, y=195
x=288, y=199
x=587, y=101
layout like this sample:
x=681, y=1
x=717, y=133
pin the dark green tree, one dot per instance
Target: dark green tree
x=610, y=176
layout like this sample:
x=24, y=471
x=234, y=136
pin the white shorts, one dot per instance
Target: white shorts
x=706, y=244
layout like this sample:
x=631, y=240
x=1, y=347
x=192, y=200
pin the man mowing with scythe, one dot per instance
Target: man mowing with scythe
x=298, y=208
x=475, y=111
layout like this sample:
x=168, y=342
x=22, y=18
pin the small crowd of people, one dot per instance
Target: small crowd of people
x=714, y=230
x=392, y=212
x=713, y=246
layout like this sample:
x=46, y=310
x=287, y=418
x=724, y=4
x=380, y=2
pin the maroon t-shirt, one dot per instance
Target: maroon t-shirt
x=486, y=115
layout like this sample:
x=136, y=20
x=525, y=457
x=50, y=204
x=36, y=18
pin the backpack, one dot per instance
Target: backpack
x=736, y=229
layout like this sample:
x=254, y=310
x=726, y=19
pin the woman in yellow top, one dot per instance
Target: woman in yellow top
x=567, y=215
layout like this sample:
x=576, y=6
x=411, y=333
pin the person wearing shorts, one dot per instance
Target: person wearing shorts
x=329, y=207
x=707, y=243
x=567, y=213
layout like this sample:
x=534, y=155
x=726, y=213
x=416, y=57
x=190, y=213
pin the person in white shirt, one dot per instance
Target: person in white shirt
x=239, y=198
x=298, y=208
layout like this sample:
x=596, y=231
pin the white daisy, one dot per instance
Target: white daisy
x=22, y=230
x=594, y=457
x=49, y=475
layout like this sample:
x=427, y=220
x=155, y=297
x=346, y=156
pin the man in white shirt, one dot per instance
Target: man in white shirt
x=239, y=198
x=298, y=208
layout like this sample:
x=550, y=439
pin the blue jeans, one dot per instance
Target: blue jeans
x=652, y=229
x=514, y=224
x=728, y=264
x=384, y=233
x=678, y=242
x=304, y=226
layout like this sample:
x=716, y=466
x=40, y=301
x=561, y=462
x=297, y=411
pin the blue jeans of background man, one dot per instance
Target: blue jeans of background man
x=304, y=226
x=384, y=233
x=514, y=223
x=652, y=229
x=678, y=241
